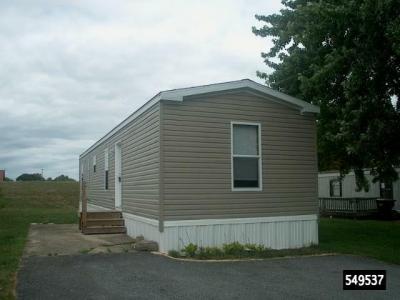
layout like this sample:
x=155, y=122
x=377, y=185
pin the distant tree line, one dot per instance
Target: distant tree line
x=39, y=177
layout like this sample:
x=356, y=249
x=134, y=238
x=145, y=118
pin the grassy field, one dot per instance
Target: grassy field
x=376, y=239
x=22, y=203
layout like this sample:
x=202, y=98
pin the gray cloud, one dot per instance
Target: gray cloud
x=72, y=70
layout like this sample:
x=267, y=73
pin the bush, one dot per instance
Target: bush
x=234, y=249
x=174, y=253
x=210, y=252
x=254, y=250
x=190, y=250
x=237, y=250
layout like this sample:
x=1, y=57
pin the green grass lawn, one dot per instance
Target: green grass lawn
x=22, y=203
x=376, y=239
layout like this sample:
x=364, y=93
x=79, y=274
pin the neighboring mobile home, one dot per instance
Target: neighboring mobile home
x=209, y=165
x=330, y=186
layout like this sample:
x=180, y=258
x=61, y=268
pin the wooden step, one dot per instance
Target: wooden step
x=104, y=229
x=104, y=215
x=105, y=222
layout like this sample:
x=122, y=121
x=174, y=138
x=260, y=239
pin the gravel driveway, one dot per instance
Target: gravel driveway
x=147, y=276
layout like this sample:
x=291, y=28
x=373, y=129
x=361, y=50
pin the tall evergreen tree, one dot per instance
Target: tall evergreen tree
x=343, y=55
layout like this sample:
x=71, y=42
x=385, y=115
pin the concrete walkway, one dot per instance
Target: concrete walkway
x=66, y=239
x=147, y=276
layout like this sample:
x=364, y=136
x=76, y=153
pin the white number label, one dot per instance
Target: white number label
x=368, y=279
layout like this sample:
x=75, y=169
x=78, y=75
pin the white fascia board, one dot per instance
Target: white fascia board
x=180, y=94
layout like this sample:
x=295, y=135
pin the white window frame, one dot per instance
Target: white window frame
x=106, y=168
x=259, y=156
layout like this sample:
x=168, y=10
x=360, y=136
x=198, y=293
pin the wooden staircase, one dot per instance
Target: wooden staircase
x=102, y=222
x=99, y=222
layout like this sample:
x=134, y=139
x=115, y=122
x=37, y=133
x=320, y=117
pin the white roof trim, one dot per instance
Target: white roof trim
x=180, y=94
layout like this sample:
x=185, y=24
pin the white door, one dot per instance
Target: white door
x=118, y=178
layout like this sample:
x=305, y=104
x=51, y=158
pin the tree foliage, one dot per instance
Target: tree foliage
x=30, y=177
x=63, y=178
x=343, y=55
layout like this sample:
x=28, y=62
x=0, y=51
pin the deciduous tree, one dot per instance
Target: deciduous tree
x=343, y=55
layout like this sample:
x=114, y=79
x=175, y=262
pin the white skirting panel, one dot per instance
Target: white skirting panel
x=136, y=225
x=272, y=232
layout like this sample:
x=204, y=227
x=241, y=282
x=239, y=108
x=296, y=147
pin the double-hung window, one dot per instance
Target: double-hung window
x=94, y=164
x=106, y=169
x=246, y=156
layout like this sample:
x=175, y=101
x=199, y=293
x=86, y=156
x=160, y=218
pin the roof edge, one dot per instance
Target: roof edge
x=179, y=94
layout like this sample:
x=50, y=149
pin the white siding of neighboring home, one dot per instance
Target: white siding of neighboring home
x=349, y=187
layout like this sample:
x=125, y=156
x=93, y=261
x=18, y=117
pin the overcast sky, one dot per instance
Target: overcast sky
x=72, y=70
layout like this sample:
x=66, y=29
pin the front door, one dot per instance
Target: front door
x=118, y=174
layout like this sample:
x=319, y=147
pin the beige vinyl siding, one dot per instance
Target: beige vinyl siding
x=197, y=158
x=140, y=167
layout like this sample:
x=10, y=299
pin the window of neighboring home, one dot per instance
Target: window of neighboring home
x=94, y=164
x=246, y=156
x=335, y=188
x=386, y=190
x=106, y=169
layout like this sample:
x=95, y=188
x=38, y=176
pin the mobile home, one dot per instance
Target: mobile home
x=212, y=164
x=330, y=185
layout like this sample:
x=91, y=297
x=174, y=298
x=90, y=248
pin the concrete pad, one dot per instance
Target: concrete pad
x=66, y=239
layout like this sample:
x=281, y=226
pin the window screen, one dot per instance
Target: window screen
x=246, y=156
